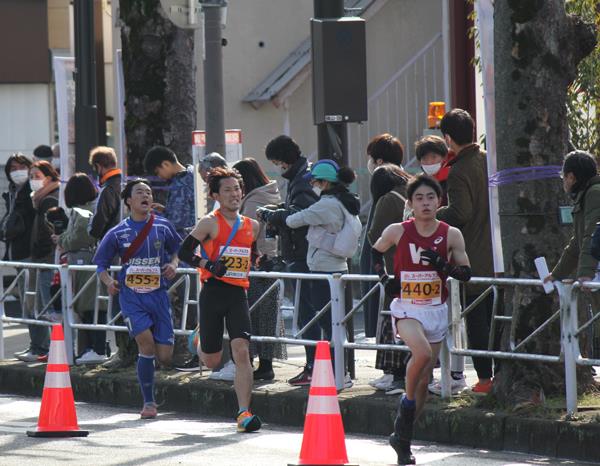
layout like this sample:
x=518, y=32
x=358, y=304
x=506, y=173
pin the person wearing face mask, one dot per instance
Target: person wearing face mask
x=435, y=159
x=15, y=227
x=285, y=154
x=44, y=183
x=326, y=219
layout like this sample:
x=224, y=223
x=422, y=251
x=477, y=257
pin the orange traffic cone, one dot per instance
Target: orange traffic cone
x=57, y=413
x=323, y=442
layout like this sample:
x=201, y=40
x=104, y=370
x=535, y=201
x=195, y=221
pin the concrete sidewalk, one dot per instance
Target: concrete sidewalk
x=364, y=409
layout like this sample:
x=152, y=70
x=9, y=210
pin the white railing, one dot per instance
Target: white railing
x=399, y=107
x=570, y=354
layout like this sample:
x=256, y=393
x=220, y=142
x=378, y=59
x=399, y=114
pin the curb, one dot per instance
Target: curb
x=362, y=412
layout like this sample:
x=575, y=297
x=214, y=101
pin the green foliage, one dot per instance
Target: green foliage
x=583, y=99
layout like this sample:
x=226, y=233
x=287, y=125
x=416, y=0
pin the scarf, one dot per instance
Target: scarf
x=109, y=174
x=37, y=196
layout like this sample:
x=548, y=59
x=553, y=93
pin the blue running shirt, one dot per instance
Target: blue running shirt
x=156, y=251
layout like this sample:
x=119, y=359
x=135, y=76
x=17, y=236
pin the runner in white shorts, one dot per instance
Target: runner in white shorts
x=427, y=252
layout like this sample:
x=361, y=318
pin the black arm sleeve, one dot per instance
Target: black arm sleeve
x=378, y=262
x=186, y=251
x=460, y=272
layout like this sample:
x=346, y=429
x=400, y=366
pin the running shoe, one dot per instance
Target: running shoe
x=192, y=365
x=29, y=356
x=482, y=388
x=149, y=411
x=456, y=386
x=397, y=387
x=348, y=381
x=248, y=422
x=384, y=378
x=90, y=357
x=302, y=379
x=228, y=372
x=385, y=384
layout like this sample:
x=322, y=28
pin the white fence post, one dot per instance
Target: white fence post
x=338, y=330
x=66, y=296
x=568, y=329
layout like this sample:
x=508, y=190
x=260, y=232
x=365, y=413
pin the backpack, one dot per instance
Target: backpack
x=343, y=243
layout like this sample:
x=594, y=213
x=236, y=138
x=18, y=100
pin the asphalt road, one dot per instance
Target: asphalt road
x=119, y=437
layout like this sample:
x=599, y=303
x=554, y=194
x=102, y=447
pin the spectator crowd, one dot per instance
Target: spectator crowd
x=311, y=227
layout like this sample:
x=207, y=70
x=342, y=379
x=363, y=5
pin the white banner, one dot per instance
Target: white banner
x=65, y=116
x=484, y=10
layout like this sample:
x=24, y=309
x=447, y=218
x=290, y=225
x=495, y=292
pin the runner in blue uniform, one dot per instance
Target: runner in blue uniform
x=147, y=246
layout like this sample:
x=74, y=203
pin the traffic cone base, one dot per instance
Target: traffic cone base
x=323, y=443
x=58, y=417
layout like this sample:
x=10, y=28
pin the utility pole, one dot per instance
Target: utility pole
x=86, y=110
x=214, y=114
x=332, y=138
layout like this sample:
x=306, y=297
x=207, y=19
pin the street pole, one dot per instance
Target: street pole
x=332, y=138
x=214, y=114
x=86, y=110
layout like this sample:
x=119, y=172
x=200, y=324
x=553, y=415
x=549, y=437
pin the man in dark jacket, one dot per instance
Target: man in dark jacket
x=468, y=210
x=106, y=215
x=285, y=154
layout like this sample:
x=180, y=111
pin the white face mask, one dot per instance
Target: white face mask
x=371, y=165
x=19, y=177
x=317, y=190
x=431, y=169
x=36, y=185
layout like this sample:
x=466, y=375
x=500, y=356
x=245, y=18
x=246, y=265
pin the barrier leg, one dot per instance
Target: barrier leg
x=2, y=313
x=66, y=293
x=568, y=320
x=338, y=332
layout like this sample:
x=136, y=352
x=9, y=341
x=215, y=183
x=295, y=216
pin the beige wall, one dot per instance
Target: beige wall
x=282, y=25
x=58, y=24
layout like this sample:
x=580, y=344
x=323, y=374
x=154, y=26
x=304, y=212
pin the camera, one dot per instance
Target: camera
x=57, y=219
x=270, y=231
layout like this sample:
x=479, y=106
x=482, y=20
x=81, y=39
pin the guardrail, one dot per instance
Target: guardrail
x=570, y=354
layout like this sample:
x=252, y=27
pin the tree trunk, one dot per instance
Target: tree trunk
x=537, y=49
x=160, y=105
x=158, y=66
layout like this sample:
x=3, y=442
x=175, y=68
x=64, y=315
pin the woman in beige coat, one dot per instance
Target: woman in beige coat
x=260, y=191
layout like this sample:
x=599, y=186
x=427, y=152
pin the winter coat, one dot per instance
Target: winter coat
x=389, y=209
x=576, y=260
x=328, y=213
x=19, y=200
x=180, y=209
x=468, y=208
x=42, y=247
x=300, y=195
x=108, y=207
x=260, y=197
x=79, y=246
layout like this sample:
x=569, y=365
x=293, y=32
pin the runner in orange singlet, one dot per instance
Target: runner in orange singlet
x=227, y=250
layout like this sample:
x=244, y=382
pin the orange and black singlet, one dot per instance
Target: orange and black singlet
x=237, y=255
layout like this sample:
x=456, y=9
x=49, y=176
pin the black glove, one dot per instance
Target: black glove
x=264, y=263
x=392, y=288
x=218, y=269
x=434, y=259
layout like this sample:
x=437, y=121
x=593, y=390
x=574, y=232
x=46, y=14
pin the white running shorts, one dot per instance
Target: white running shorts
x=434, y=319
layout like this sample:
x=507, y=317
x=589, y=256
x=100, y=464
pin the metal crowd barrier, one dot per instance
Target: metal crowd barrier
x=570, y=354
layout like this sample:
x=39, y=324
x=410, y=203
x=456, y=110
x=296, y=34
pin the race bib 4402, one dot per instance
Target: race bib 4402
x=237, y=261
x=142, y=279
x=422, y=287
